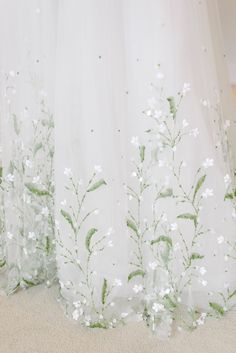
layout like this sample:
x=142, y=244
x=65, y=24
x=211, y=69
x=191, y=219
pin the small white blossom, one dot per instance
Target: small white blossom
x=202, y=271
x=10, y=178
x=185, y=123
x=98, y=168
x=117, y=283
x=158, y=307
x=186, y=88
x=209, y=162
x=28, y=163
x=153, y=265
x=31, y=235
x=75, y=314
x=36, y=179
x=207, y=193
x=157, y=114
x=45, y=211
x=227, y=180
x=110, y=244
x=161, y=128
x=174, y=226
x=68, y=172
x=226, y=124
x=63, y=203
x=135, y=141
x=205, y=102
x=220, y=239
x=123, y=315
x=194, y=132
x=138, y=288
x=203, y=282
x=9, y=235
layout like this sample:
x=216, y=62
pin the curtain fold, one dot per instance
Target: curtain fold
x=117, y=166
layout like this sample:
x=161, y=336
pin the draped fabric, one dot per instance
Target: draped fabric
x=117, y=168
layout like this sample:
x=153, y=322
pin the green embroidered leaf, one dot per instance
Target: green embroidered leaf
x=196, y=256
x=189, y=216
x=169, y=302
x=198, y=185
x=68, y=218
x=90, y=233
x=132, y=226
x=37, y=147
x=173, y=109
x=217, y=308
x=232, y=294
x=166, y=193
x=142, y=153
x=39, y=192
x=2, y=263
x=47, y=245
x=136, y=273
x=16, y=126
x=104, y=291
x=164, y=238
x=97, y=325
x=229, y=196
x=97, y=185
x=29, y=283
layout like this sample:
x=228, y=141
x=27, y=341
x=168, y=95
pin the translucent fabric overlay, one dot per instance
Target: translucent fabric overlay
x=117, y=174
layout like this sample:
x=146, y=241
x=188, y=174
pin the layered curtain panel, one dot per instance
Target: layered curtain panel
x=117, y=171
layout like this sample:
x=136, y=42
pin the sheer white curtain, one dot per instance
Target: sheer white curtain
x=144, y=172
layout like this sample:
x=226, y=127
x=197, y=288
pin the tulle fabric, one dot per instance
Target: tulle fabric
x=136, y=99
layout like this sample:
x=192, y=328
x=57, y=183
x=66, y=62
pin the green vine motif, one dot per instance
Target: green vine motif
x=87, y=307
x=28, y=189
x=154, y=236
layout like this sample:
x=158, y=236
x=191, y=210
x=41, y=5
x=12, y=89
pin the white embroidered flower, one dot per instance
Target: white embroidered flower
x=98, y=168
x=227, y=180
x=135, y=141
x=77, y=304
x=207, y=193
x=157, y=114
x=137, y=288
x=185, y=123
x=68, y=172
x=96, y=212
x=117, y=283
x=226, y=124
x=153, y=265
x=158, y=307
x=194, y=132
x=173, y=226
x=64, y=202
x=28, y=163
x=202, y=270
x=209, y=162
x=110, y=244
x=31, y=235
x=148, y=112
x=220, y=239
x=164, y=292
x=203, y=282
x=9, y=235
x=45, y=211
x=110, y=231
x=10, y=177
x=76, y=314
x=205, y=102
x=36, y=179
x=123, y=315
x=186, y=88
